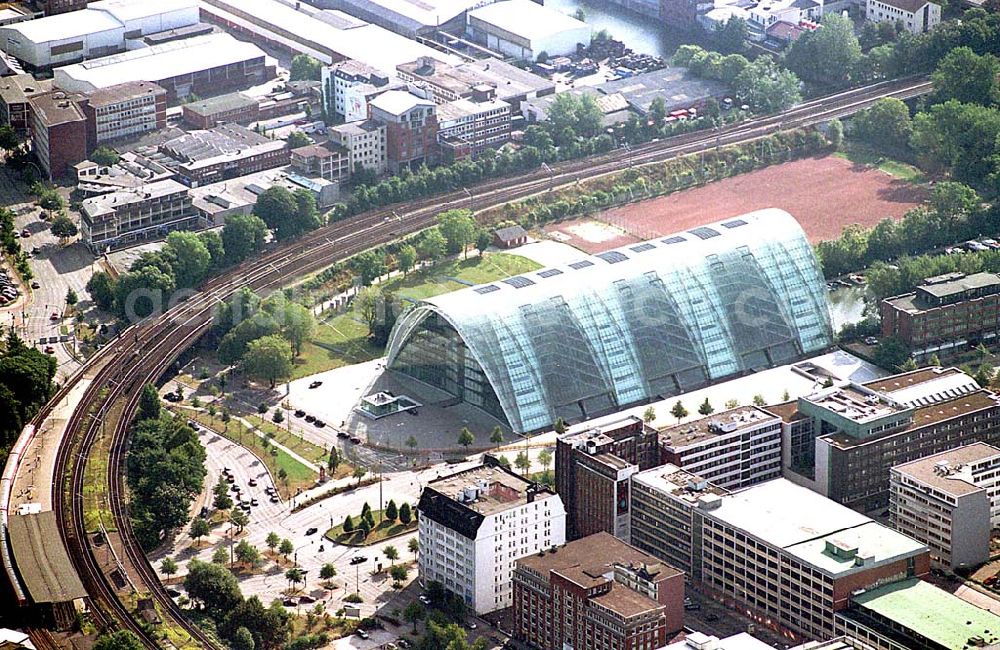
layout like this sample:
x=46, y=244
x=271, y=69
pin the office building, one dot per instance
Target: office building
x=15, y=96
x=102, y=28
x=913, y=614
x=443, y=83
x=237, y=108
x=411, y=129
x=917, y=16
x=365, y=142
x=621, y=328
x=466, y=127
x=733, y=449
x=327, y=161
x=597, y=593
x=215, y=202
x=946, y=314
x=58, y=133
x=53, y=7
x=134, y=214
x=778, y=551
x=593, y=466
x=349, y=85
x=476, y=524
x=224, y=152
x=842, y=441
x=123, y=111
x=949, y=501
x=201, y=65
x=524, y=29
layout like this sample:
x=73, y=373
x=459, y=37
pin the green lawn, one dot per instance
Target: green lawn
x=343, y=339
x=309, y=451
x=383, y=530
x=862, y=155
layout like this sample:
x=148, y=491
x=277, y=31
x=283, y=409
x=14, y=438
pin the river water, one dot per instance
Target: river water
x=640, y=33
x=847, y=305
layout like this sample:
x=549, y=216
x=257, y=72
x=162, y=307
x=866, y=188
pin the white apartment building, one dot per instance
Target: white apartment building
x=917, y=16
x=468, y=126
x=476, y=524
x=949, y=501
x=733, y=449
x=125, y=110
x=349, y=84
x=782, y=552
x=366, y=143
x=136, y=213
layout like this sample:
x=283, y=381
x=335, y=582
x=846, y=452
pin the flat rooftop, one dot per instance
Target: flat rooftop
x=680, y=483
x=527, y=19
x=220, y=104
x=222, y=140
x=676, y=86
x=105, y=204
x=56, y=108
x=715, y=425
x=950, y=471
x=22, y=87
x=931, y=613
x=509, y=80
x=124, y=92
x=45, y=567
x=599, y=433
x=504, y=490
x=944, y=286
x=869, y=543
x=855, y=404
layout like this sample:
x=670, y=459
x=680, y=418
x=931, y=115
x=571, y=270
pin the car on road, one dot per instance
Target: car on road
x=193, y=425
x=311, y=531
x=310, y=418
x=362, y=634
x=358, y=559
x=274, y=498
x=356, y=440
x=26, y=233
x=343, y=434
x=54, y=316
x=315, y=384
x=424, y=599
x=692, y=607
x=252, y=483
x=319, y=424
x=35, y=284
x=300, y=413
x=49, y=349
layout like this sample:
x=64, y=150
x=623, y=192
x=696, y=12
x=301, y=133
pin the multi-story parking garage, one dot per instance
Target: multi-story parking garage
x=637, y=323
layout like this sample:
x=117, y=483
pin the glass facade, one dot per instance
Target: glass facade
x=644, y=321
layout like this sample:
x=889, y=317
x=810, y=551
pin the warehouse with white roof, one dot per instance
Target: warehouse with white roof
x=99, y=30
x=524, y=29
x=409, y=18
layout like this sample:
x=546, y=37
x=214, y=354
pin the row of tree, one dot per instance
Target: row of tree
x=25, y=385
x=761, y=84
x=165, y=471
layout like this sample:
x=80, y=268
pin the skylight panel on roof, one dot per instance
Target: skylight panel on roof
x=548, y=273
x=612, y=257
x=641, y=248
x=735, y=223
x=582, y=264
x=518, y=282
x=489, y=288
x=704, y=233
x=674, y=240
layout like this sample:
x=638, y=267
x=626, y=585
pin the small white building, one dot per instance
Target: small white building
x=524, y=29
x=949, y=501
x=366, y=142
x=99, y=30
x=476, y=524
x=917, y=16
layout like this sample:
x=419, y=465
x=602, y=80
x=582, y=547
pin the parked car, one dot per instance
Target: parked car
x=362, y=634
x=692, y=607
x=356, y=440
x=253, y=502
x=274, y=498
x=315, y=384
x=311, y=531
x=310, y=418
x=343, y=434
x=49, y=349
x=54, y=316
x=26, y=233
x=871, y=340
x=35, y=285
x=300, y=413
x=252, y=483
x=424, y=599
x=319, y=424
x=358, y=559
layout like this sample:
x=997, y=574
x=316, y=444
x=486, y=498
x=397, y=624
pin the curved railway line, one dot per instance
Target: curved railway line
x=143, y=352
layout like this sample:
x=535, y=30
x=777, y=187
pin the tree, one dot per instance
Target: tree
x=222, y=500
x=458, y=228
x=277, y=417
x=243, y=639
x=560, y=426
x=71, y=297
x=199, y=528
x=297, y=139
x=827, y=56
x=272, y=541
x=891, y=353
x=649, y=415
x=497, y=436
x=765, y=88
x=141, y=293
x=678, y=411
x=758, y=400
x=545, y=459
x=105, y=156
x=967, y=77
x=732, y=403
x=934, y=360
x=365, y=528
x=398, y=574
x=414, y=613
x=483, y=241
x=465, y=437
x=522, y=462
x=886, y=125
x=369, y=265
x=367, y=302
x=411, y=442
x=240, y=519
x=220, y=556
x=298, y=325
x=243, y=235
x=305, y=68
x=8, y=138
x=191, y=259
x=213, y=586
x=327, y=571
x=835, y=132
x=348, y=524
x=359, y=473
x=706, y=408
x=365, y=509
x=120, y=640
x=268, y=359
x=731, y=38
x=149, y=403
x=432, y=245
x=405, y=514
x=49, y=198
x=391, y=511
x=413, y=546
x=168, y=566
x=391, y=553
x=333, y=460
x=274, y=206
x=406, y=258
x=63, y=227
x=247, y=553
x=101, y=288
x=294, y=576
x=285, y=548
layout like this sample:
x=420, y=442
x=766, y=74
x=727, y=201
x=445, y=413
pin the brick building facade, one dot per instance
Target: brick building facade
x=58, y=133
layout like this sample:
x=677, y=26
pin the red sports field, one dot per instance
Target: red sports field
x=824, y=194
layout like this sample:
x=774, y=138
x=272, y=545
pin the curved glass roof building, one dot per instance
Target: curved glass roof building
x=622, y=327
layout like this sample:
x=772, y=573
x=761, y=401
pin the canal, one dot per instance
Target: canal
x=638, y=32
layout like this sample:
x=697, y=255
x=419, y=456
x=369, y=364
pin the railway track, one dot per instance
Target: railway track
x=144, y=351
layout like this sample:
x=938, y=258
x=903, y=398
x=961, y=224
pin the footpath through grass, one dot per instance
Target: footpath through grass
x=342, y=340
x=861, y=154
